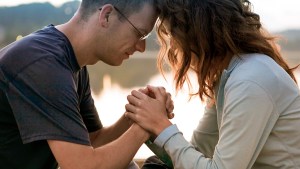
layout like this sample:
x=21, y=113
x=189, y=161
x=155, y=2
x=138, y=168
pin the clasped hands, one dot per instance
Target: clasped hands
x=151, y=108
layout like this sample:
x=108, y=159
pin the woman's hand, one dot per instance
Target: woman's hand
x=169, y=102
x=149, y=112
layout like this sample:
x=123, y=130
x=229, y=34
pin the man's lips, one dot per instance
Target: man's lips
x=127, y=55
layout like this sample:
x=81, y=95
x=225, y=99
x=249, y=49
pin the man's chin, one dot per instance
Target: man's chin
x=117, y=63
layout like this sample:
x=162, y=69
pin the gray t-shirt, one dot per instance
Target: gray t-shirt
x=44, y=95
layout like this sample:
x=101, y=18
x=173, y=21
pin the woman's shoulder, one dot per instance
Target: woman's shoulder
x=262, y=71
x=258, y=68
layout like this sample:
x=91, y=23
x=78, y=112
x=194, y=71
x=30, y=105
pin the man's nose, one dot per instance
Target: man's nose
x=141, y=45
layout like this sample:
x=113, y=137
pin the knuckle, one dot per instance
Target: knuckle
x=139, y=103
x=133, y=91
x=138, y=110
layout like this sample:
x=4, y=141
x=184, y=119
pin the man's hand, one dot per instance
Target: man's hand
x=169, y=102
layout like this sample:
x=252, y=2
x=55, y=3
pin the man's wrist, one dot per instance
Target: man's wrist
x=142, y=132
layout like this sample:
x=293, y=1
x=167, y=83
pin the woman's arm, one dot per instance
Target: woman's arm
x=243, y=130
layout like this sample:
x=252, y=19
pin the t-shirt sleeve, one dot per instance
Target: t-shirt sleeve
x=44, y=101
x=88, y=110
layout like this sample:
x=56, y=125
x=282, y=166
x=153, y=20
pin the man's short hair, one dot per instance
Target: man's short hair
x=128, y=7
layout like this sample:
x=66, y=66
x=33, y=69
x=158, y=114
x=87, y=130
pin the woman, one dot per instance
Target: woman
x=252, y=114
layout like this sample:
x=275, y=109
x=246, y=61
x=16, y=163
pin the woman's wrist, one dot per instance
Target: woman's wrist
x=161, y=127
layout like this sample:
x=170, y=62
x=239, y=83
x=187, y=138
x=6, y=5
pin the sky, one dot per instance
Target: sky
x=276, y=15
x=17, y=2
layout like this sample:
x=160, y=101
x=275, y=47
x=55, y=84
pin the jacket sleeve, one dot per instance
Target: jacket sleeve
x=206, y=135
x=244, y=128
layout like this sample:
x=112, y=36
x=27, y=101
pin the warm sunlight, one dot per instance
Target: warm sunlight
x=110, y=93
x=187, y=113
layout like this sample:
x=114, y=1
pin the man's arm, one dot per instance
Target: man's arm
x=108, y=134
x=116, y=154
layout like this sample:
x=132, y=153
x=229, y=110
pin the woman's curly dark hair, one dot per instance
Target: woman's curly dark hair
x=206, y=34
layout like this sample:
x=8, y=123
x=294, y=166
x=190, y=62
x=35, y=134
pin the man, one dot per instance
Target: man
x=47, y=114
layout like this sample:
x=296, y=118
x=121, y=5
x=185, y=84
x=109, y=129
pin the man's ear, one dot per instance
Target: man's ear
x=104, y=15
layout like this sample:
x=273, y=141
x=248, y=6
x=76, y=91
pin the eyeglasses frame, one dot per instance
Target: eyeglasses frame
x=142, y=36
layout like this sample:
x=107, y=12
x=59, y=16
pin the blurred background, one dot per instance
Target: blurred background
x=110, y=85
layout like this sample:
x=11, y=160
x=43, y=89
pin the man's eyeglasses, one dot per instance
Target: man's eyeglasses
x=141, y=35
